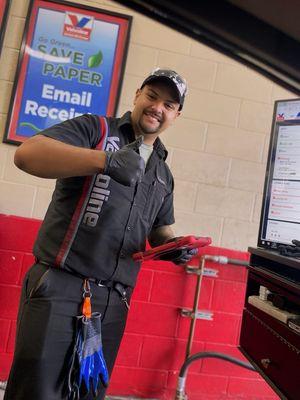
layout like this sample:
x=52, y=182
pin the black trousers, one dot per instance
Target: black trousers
x=50, y=301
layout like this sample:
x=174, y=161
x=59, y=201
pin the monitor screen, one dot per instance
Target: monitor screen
x=280, y=216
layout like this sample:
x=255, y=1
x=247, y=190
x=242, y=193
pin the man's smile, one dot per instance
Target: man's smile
x=154, y=117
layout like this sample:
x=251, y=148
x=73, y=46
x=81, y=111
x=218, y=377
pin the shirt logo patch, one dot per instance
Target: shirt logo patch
x=112, y=143
x=100, y=193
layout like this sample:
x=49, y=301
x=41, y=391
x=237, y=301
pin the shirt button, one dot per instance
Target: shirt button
x=129, y=228
x=122, y=255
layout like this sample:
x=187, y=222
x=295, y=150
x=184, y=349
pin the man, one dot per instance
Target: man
x=113, y=191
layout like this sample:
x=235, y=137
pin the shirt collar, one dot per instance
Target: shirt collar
x=124, y=124
x=125, y=120
x=160, y=148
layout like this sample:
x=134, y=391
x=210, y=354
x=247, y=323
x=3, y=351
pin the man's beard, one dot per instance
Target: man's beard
x=146, y=129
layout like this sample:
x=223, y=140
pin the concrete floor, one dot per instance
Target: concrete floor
x=106, y=398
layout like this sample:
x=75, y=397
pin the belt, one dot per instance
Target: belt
x=98, y=282
x=121, y=289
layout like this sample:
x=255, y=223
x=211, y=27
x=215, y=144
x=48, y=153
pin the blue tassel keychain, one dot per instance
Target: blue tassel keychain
x=88, y=366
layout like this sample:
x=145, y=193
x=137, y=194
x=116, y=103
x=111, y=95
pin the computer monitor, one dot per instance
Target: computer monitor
x=280, y=215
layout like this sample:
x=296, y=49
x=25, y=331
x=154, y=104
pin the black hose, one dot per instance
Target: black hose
x=226, y=260
x=3, y=385
x=210, y=354
x=242, y=263
x=180, y=391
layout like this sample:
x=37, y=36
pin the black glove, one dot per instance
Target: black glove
x=290, y=251
x=125, y=166
x=178, y=256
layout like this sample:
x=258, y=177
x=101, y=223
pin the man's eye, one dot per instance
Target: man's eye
x=169, y=106
x=150, y=96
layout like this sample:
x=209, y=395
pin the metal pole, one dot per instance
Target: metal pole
x=195, y=307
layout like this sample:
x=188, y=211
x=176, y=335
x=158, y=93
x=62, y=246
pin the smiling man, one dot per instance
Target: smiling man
x=114, y=190
x=157, y=105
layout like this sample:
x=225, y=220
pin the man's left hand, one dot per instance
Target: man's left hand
x=179, y=256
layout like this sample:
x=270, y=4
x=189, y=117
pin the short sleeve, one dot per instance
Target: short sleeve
x=83, y=131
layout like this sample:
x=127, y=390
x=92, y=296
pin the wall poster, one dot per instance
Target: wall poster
x=71, y=63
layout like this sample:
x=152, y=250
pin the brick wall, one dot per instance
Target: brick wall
x=217, y=152
x=16, y=239
x=153, y=347
x=217, y=148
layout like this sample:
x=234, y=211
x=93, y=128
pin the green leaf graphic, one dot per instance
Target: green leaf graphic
x=95, y=60
x=33, y=127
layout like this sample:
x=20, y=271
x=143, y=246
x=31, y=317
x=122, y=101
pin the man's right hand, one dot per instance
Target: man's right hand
x=125, y=166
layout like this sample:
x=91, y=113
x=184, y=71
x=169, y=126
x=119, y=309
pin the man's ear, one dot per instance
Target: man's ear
x=178, y=113
x=137, y=94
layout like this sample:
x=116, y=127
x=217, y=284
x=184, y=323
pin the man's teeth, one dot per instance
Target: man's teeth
x=154, y=117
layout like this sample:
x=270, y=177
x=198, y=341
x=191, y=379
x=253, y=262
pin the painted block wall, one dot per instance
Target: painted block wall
x=217, y=153
x=154, y=344
x=217, y=148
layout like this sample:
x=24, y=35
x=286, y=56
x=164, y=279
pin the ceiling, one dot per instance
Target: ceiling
x=265, y=35
x=280, y=14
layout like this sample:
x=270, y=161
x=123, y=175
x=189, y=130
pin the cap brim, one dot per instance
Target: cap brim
x=165, y=79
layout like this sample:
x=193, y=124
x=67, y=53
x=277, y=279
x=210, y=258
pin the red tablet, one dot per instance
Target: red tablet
x=185, y=242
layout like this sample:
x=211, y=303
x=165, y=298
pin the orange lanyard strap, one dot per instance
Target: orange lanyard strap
x=87, y=294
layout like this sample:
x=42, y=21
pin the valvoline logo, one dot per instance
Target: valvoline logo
x=78, y=26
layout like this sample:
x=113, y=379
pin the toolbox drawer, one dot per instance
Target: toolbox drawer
x=276, y=358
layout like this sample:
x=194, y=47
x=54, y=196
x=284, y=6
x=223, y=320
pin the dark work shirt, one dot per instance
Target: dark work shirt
x=94, y=224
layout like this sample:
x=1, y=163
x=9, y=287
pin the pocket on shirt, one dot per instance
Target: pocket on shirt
x=155, y=197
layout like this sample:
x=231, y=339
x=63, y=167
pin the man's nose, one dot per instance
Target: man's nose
x=157, y=106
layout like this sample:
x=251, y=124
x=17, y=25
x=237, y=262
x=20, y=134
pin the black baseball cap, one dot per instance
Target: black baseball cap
x=172, y=77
